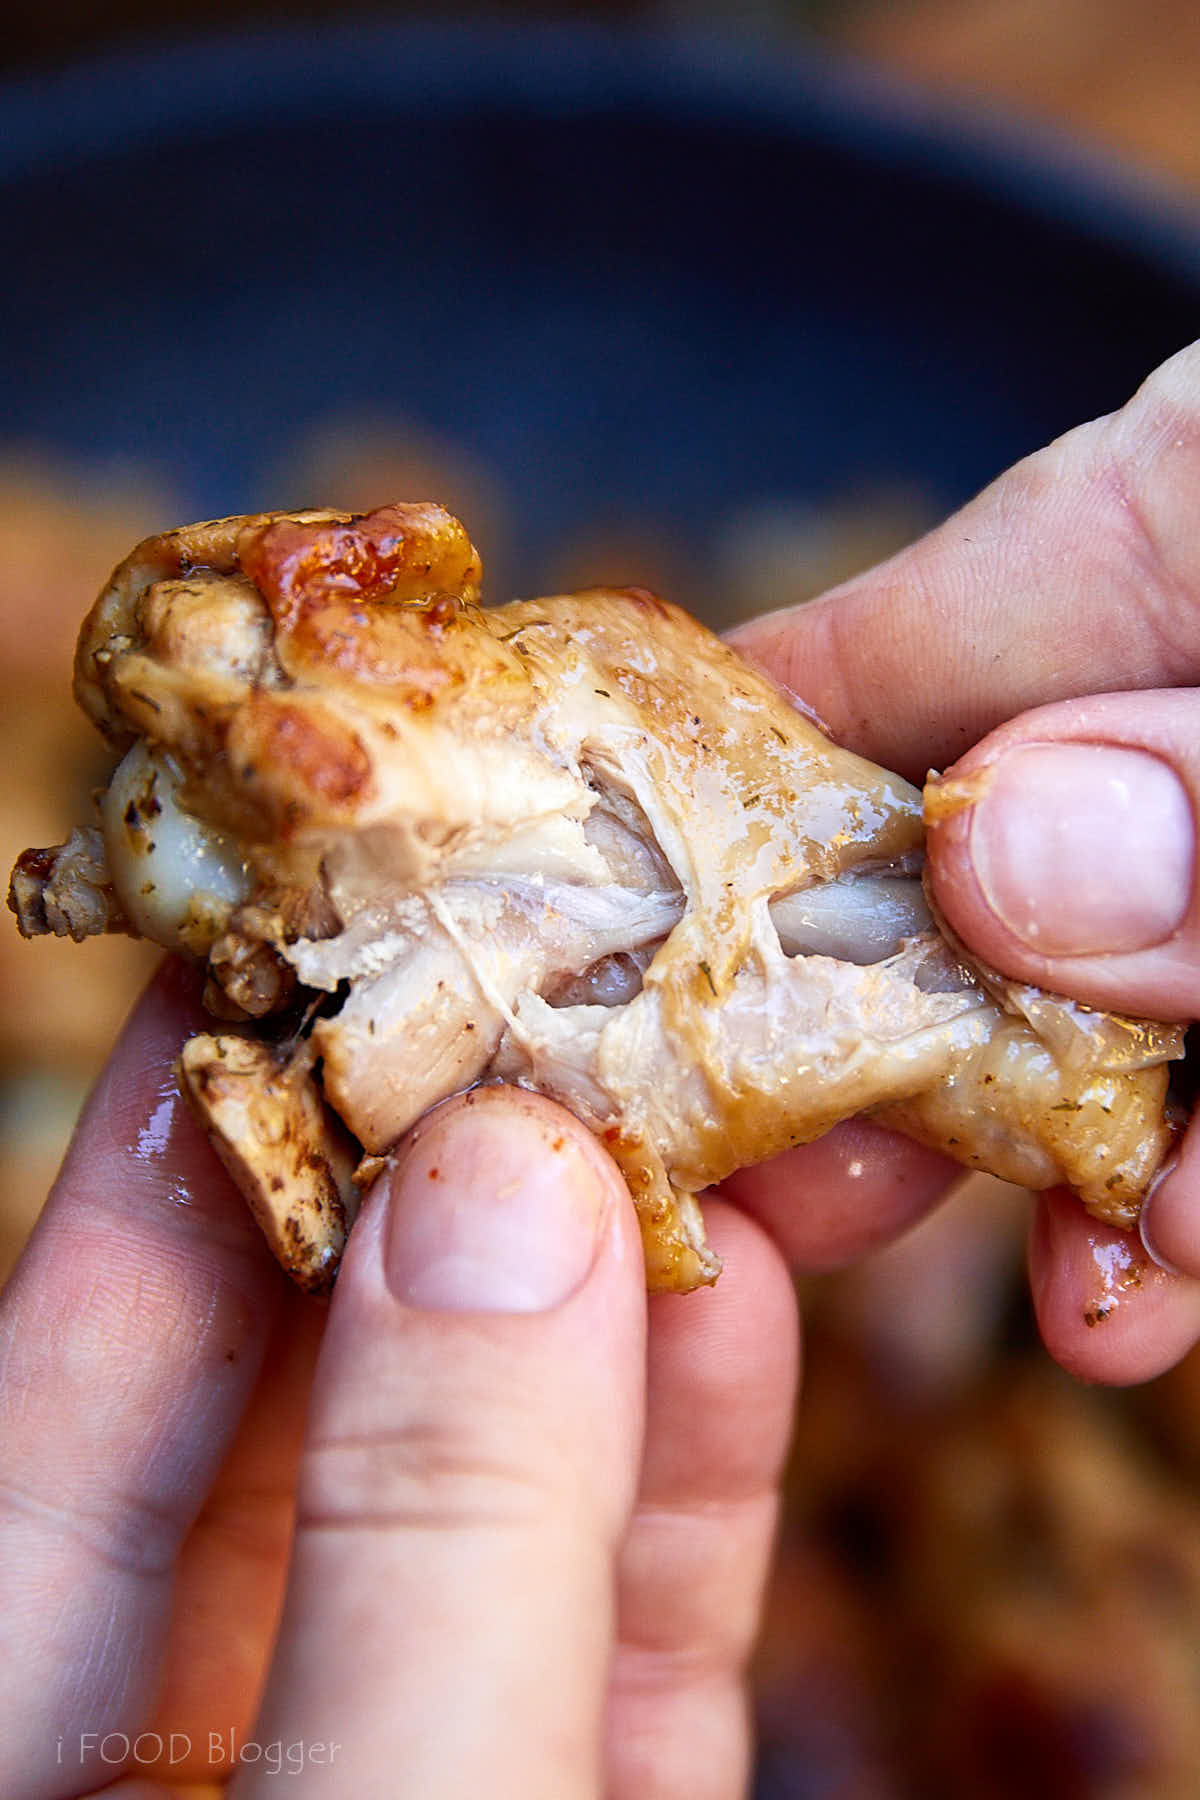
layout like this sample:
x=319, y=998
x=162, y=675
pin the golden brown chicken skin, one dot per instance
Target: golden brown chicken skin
x=574, y=843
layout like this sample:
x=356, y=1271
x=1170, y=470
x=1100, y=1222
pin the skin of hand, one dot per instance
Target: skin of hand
x=528, y=1514
x=491, y=1522
x=1045, y=642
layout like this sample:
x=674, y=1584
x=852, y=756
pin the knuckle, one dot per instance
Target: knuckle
x=692, y=1576
x=423, y=1475
x=1152, y=463
x=129, y=1533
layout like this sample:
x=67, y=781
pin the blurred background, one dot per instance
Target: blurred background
x=1122, y=72
x=730, y=300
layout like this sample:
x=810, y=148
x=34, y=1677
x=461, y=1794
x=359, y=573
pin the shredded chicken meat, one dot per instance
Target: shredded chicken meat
x=573, y=843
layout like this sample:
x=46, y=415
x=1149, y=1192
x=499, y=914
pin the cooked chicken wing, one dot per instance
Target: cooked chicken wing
x=573, y=843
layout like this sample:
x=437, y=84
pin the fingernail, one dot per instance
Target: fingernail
x=1150, y=1214
x=1083, y=849
x=492, y=1210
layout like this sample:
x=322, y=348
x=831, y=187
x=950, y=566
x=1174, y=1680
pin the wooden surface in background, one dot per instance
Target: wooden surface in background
x=1125, y=73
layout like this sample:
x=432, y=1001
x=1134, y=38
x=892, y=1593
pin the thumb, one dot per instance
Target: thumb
x=1072, y=864
x=471, y=1464
x=1067, y=854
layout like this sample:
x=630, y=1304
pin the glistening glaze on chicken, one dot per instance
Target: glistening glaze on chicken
x=574, y=843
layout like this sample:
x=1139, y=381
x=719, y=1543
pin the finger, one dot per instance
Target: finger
x=232, y=1569
x=130, y=1336
x=831, y=1201
x=1105, y=1310
x=1075, y=867
x=470, y=1467
x=1077, y=572
x=1170, y=1216
x=722, y=1370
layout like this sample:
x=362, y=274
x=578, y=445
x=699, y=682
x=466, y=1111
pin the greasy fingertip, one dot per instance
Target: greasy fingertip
x=1106, y=1312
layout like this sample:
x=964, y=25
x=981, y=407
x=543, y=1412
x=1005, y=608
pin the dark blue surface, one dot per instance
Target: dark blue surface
x=630, y=275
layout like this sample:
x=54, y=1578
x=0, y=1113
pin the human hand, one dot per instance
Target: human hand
x=529, y=1517
x=1051, y=631
x=517, y=1569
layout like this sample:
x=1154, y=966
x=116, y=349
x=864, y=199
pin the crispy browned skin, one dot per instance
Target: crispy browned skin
x=272, y=1132
x=571, y=842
